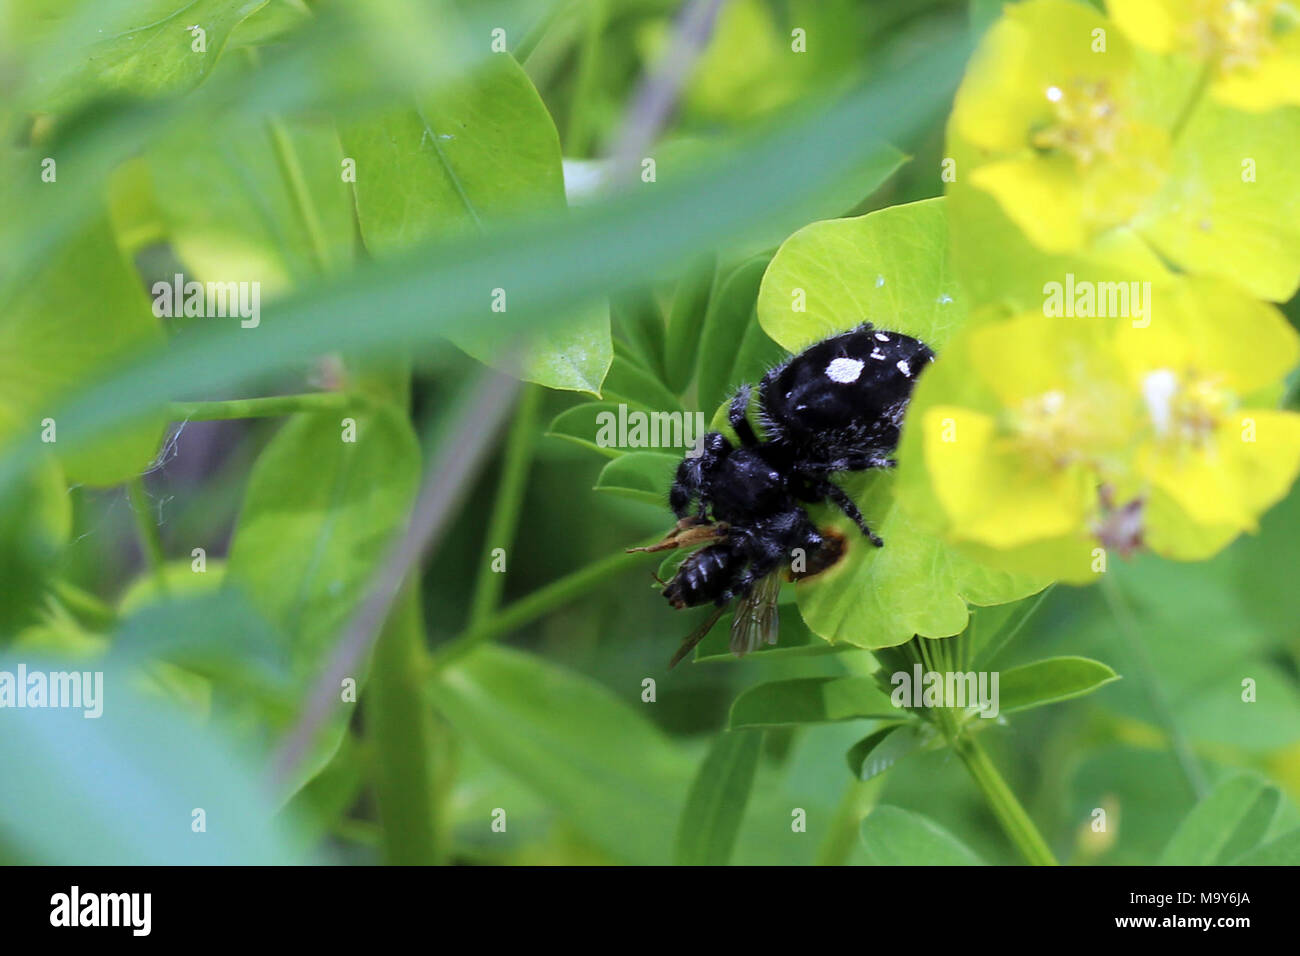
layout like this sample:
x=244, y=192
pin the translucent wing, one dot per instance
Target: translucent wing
x=756, y=617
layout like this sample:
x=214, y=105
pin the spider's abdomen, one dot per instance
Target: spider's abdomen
x=856, y=383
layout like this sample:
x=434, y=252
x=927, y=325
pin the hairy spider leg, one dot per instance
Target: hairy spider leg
x=828, y=489
x=736, y=416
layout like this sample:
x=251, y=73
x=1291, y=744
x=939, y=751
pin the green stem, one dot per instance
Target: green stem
x=270, y=407
x=1178, y=741
x=84, y=606
x=1193, y=98
x=1010, y=814
x=534, y=36
x=509, y=502
x=291, y=168
x=150, y=541
x=842, y=836
x=402, y=734
x=577, y=139
x=535, y=605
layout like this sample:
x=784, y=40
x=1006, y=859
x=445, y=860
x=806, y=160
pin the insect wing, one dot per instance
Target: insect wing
x=756, y=620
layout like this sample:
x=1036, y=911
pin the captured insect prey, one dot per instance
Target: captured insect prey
x=836, y=406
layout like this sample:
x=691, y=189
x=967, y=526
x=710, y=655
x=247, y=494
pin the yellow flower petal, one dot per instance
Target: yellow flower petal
x=1246, y=467
x=1210, y=329
x=1043, y=195
x=994, y=495
x=1148, y=23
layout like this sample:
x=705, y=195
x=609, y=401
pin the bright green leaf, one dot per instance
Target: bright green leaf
x=607, y=769
x=458, y=161
x=717, y=800
x=809, y=700
x=640, y=475
x=74, y=319
x=1049, y=681
x=881, y=749
x=896, y=837
x=1228, y=823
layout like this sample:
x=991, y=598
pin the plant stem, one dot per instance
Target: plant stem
x=270, y=407
x=1010, y=814
x=84, y=606
x=1193, y=100
x=536, y=604
x=577, y=138
x=401, y=728
x=509, y=502
x=291, y=169
x=1178, y=742
x=150, y=542
x=859, y=797
x=534, y=36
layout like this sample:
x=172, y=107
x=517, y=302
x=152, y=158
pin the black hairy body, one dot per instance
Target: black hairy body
x=837, y=406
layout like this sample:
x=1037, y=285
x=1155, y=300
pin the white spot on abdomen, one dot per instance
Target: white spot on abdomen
x=904, y=367
x=844, y=370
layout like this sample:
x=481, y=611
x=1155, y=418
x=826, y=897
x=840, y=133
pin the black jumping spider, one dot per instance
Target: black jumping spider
x=837, y=406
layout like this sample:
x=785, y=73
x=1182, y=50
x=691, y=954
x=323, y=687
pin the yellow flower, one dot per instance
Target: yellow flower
x=1025, y=466
x=1208, y=368
x=1251, y=47
x=1055, y=107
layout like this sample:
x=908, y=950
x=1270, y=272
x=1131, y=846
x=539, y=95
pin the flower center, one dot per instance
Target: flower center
x=1046, y=427
x=1185, y=410
x=1234, y=34
x=1086, y=123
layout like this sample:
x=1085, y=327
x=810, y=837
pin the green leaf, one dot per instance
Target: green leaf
x=716, y=804
x=729, y=320
x=631, y=383
x=640, y=475
x=1049, y=681
x=686, y=320
x=888, y=267
x=319, y=514
x=1228, y=823
x=122, y=788
x=891, y=268
x=895, y=837
x=35, y=525
x=460, y=160
x=1280, y=851
x=808, y=700
x=593, y=425
x=70, y=323
x=881, y=749
x=144, y=48
x=256, y=202
x=609, y=771
x=636, y=317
